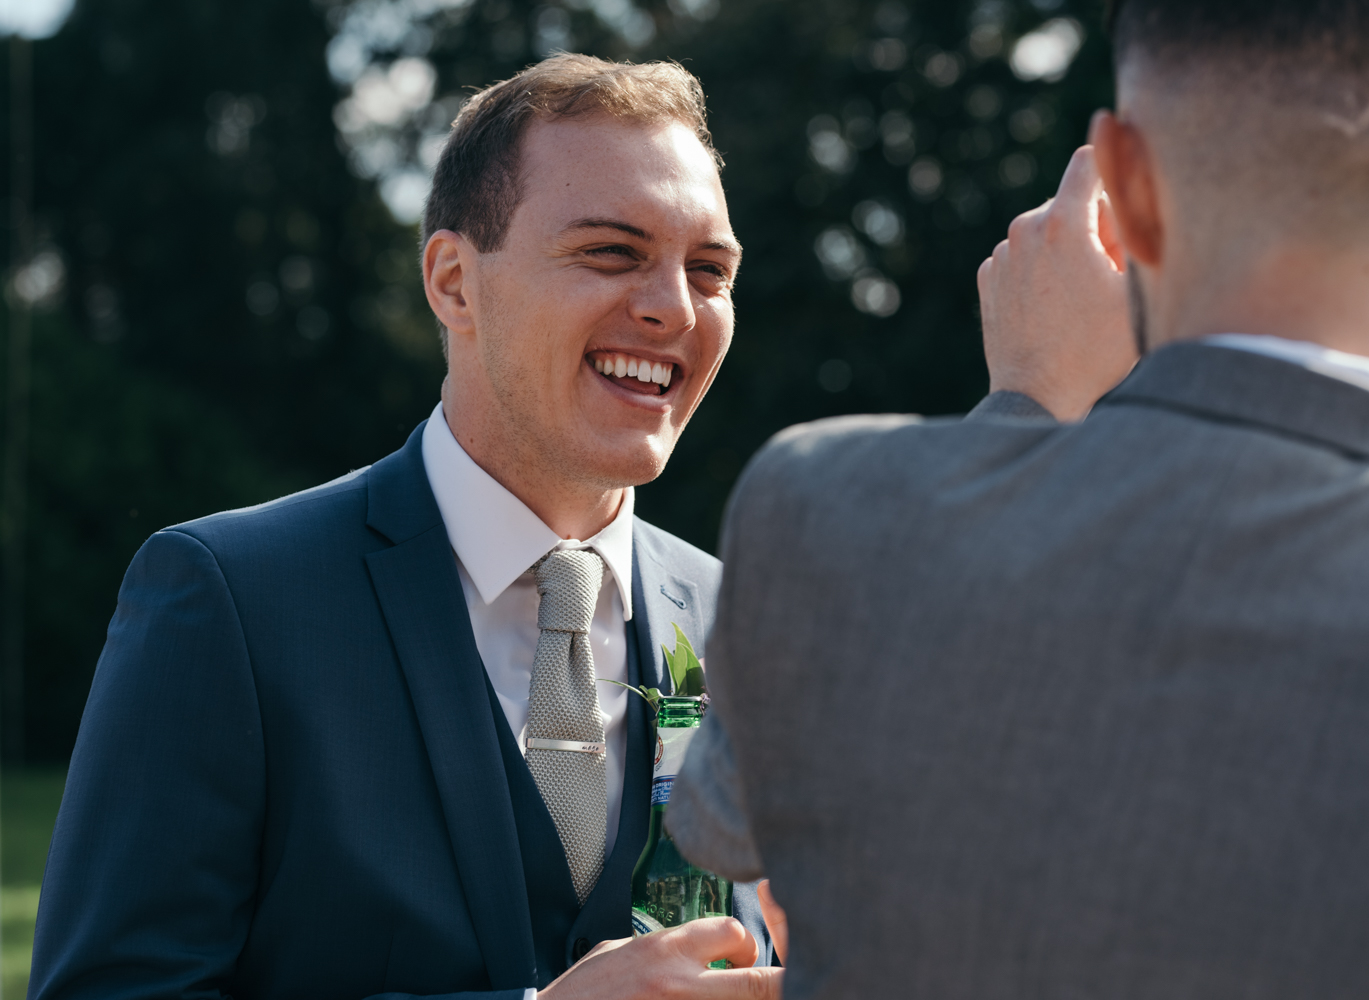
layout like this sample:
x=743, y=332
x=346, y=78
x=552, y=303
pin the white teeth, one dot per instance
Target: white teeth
x=626, y=366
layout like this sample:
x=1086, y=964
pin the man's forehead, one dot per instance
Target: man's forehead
x=649, y=181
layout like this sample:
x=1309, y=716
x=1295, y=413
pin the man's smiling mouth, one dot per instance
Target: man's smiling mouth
x=650, y=378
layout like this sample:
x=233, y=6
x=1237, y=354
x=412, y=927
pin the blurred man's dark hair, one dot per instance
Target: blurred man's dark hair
x=476, y=187
x=1333, y=31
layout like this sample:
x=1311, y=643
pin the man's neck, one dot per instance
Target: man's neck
x=1297, y=293
x=569, y=508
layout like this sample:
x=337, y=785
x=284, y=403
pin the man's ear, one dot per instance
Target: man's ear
x=1127, y=169
x=447, y=274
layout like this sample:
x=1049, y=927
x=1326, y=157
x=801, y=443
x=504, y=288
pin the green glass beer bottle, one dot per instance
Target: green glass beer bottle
x=666, y=889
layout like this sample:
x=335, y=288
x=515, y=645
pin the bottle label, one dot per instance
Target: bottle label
x=660, y=790
x=671, y=745
x=643, y=923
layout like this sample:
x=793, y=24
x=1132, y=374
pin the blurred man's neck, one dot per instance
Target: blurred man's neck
x=1296, y=291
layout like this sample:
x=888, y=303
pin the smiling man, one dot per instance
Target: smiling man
x=357, y=742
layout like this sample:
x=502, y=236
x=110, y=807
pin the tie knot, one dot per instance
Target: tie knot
x=568, y=582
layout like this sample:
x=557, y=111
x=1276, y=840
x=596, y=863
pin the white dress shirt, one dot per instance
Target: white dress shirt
x=496, y=539
x=1352, y=368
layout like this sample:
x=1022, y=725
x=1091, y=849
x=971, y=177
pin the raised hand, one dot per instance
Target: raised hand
x=1054, y=299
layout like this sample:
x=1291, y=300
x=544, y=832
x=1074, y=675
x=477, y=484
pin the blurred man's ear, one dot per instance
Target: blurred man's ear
x=446, y=275
x=1127, y=169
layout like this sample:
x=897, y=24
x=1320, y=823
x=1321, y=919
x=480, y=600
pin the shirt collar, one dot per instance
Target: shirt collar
x=1352, y=368
x=494, y=534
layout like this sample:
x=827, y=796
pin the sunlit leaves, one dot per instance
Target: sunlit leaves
x=686, y=672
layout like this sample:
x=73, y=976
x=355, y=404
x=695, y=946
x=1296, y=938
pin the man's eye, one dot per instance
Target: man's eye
x=715, y=270
x=613, y=251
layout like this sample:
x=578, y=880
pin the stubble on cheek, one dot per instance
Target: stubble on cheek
x=517, y=386
x=553, y=418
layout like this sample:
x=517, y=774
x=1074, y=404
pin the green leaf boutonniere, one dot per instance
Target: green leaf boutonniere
x=686, y=673
x=685, y=669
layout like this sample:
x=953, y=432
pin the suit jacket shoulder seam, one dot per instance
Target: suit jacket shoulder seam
x=289, y=500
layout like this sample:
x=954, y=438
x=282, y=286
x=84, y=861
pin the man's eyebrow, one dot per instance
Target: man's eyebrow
x=620, y=226
x=726, y=246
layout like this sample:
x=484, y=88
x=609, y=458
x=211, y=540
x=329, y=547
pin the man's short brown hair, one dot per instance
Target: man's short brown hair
x=478, y=184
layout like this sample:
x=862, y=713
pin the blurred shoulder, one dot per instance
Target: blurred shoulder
x=674, y=554
x=845, y=456
x=809, y=456
x=820, y=440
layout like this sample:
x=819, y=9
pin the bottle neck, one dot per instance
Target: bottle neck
x=673, y=712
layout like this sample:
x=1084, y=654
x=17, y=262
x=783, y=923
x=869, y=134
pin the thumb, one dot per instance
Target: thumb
x=1108, y=234
x=1080, y=186
x=712, y=939
x=776, y=921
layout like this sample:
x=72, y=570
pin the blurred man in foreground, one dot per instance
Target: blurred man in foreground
x=352, y=742
x=1082, y=710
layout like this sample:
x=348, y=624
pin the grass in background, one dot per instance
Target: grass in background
x=28, y=809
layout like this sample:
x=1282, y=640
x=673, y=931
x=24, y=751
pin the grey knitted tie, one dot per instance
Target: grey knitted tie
x=565, y=730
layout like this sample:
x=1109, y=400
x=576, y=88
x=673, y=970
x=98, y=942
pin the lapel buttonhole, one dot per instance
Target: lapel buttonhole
x=672, y=598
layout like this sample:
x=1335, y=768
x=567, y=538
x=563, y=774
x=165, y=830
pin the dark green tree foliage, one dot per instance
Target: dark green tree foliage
x=243, y=317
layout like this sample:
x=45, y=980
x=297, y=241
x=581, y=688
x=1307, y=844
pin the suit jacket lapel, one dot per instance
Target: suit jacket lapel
x=660, y=601
x=420, y=595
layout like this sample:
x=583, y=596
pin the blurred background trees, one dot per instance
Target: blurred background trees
x=224, y=275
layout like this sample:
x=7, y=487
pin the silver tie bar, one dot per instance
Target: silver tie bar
x=571, y=746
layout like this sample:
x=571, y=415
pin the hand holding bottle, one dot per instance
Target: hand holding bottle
x=672, y=963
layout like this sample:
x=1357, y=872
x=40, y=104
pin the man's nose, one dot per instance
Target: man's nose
x=663, y=302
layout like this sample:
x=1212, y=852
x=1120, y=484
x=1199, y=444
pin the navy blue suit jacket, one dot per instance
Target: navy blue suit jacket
x=292, y=779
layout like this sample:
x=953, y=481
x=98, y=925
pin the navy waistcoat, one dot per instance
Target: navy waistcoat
x=561, y=931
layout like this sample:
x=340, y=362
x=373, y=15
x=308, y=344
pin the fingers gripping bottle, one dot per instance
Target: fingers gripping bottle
x=666, y=889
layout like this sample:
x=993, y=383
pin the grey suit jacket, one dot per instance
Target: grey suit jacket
x=1058, y=711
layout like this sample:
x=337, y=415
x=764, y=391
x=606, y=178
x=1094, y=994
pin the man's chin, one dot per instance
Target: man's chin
x=619, y=461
